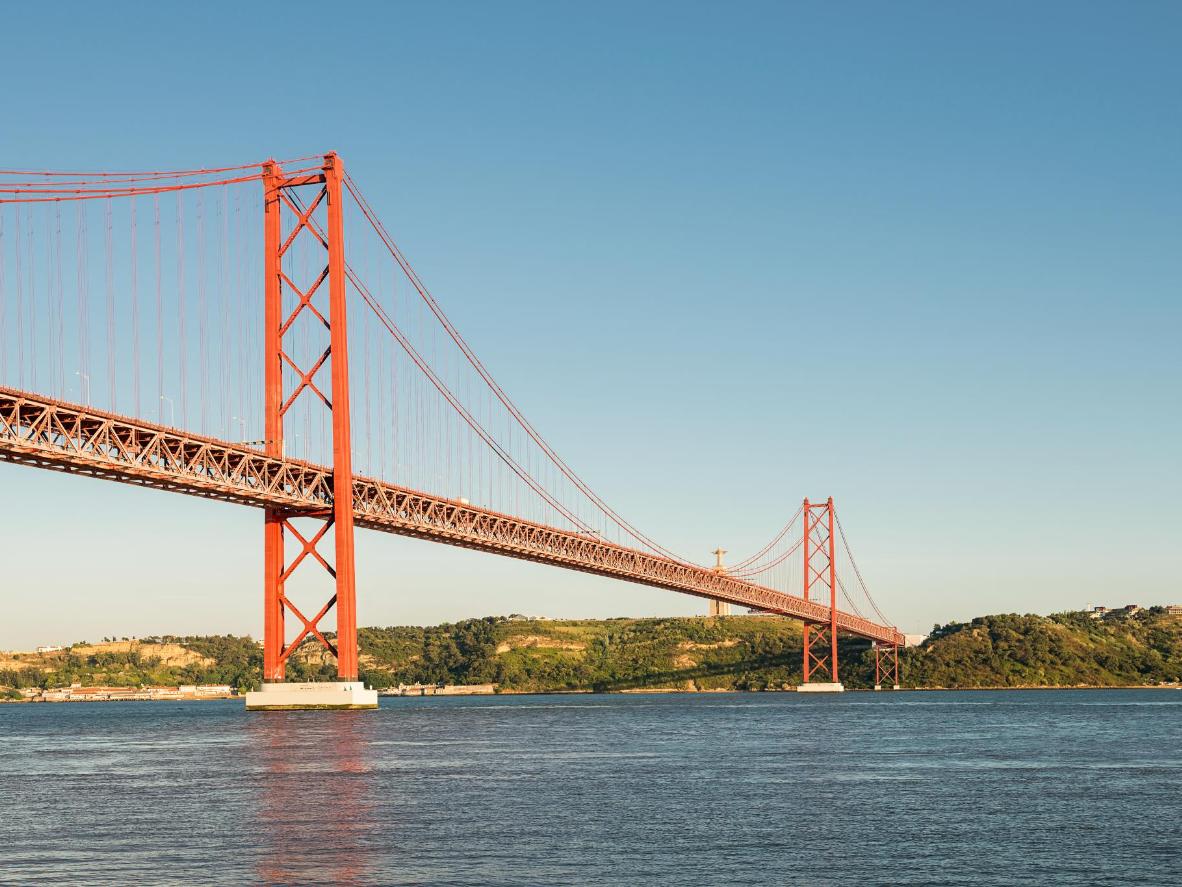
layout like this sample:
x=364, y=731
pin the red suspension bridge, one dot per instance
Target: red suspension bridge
x=139, y=343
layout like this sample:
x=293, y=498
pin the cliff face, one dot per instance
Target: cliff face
x=731, y=653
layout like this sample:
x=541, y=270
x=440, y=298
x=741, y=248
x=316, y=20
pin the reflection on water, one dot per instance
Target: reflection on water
x=314, y=813
x=910, y=788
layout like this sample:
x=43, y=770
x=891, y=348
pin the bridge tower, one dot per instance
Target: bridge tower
x=886, y=665
x=321, y=220
x=820, y=584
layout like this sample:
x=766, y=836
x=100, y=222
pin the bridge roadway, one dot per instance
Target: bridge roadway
x=45, y=433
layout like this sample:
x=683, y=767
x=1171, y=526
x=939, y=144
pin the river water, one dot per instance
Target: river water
x=1038, y=787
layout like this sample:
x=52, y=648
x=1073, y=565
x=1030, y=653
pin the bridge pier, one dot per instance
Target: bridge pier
x=284, y=696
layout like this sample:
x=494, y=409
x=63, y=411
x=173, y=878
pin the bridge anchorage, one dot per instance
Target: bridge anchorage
x=446, y=456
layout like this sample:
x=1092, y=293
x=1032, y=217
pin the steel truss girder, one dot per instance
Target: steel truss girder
x=59, y=436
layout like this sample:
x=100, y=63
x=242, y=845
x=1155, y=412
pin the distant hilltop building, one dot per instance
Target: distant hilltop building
x=1126, y=610
x=77, y=693
x=50, y=649
x=1174, y=609
x=441, y=690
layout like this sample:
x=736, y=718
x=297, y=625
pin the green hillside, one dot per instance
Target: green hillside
x=740, y=652
x=1064, y=650
x=732, y=653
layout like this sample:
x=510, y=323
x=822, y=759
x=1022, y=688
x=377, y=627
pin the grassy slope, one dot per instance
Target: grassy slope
x=1068, y=649
x=619, y=654
x=744, y=653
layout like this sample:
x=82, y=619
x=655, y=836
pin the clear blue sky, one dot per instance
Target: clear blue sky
x=923, y=257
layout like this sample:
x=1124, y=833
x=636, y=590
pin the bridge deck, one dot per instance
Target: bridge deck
x=45, y=433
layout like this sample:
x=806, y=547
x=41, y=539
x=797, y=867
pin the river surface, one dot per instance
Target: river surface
x=1038, y=787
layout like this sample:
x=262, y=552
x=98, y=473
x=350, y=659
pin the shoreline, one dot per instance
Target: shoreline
x=653, y=691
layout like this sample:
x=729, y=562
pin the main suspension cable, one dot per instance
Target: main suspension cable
x=862, y=582
x=784, y=532
x=500, y=393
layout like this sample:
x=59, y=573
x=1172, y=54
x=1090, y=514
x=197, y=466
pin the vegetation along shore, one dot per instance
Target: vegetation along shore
x=525, y=655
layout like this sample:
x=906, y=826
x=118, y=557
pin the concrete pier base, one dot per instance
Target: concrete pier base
x=814, y=687
x=879, y=687
x=304, y=696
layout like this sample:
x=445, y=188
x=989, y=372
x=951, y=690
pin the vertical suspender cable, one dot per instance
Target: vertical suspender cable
x=240, y=394
x=54, y=319
x=83, y=304
x=159, y=313
x=59, y=300
x=20, y=299
x=368, y=426
x=224, y=303
x=182, y=347
x=135, y=316
x=110, y=282
x=202, y=320
x=3, y=308
x=32, y=300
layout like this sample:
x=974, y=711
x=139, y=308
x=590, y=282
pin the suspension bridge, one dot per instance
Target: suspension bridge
x=206, y=332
